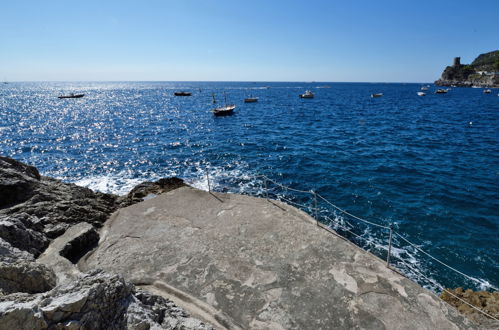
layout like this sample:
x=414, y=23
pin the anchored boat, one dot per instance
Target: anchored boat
x=251, y=99
x=421, y=93
x=307, y=95
x=441, y=91
x=377, y=95
x=182, y=93
x=226, y=110
x=71, y=96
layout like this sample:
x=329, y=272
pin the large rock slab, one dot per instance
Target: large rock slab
x=262, y=265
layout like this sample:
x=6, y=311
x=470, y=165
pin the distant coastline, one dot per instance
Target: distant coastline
x=482, y=72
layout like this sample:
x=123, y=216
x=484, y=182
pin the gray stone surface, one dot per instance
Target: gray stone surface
x=262, y=265
x=96, y=301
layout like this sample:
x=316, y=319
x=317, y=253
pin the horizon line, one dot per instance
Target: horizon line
x=235, y=81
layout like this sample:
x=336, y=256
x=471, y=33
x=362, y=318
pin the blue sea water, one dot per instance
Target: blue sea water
x=429, y=165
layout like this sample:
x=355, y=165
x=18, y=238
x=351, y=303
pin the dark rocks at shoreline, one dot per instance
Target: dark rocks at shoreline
x=144, y=189
x=35, y=209
x=486, y=301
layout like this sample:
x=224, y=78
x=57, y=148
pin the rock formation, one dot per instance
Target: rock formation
x=234, y=261
x=482, y=72
x=46, y=226
x=487, y=301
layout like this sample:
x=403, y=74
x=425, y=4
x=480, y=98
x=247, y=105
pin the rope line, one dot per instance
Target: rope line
x=343, y=227
x=353, y=216
x=285, y=187
x=351, y=232
x=441, y=262
x=293, y=203
x=444, y=289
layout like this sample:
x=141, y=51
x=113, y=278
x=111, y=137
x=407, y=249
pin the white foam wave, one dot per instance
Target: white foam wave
x=112, y=184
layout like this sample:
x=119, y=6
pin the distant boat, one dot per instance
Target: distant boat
x=182, y=93
x=377, y=95
x=487, y=91
x=424, y=88
x=421, y=93
x=226, y=110
x=214, y=99
x=307, y=95
x=71, y=96
x=251, y=100
x=441, y=91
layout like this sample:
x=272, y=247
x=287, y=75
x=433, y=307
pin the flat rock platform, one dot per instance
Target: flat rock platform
x=242, y=262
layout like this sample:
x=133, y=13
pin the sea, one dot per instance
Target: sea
x=425, y=166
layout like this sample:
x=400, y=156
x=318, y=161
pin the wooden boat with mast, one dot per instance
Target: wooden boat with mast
x=226, y=110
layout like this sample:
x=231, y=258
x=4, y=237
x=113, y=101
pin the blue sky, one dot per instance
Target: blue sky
x=393, y=41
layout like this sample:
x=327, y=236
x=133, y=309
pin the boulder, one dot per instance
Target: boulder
x=145, y=189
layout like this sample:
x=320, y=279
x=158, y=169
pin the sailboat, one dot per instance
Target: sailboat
x=226, y=110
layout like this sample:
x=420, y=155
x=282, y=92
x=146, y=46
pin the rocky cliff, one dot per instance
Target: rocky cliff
x=482, y=72
x=45, y=227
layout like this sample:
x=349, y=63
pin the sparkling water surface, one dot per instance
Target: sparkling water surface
x=429, y=165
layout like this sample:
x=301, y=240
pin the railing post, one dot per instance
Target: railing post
x=266, y=188
x=208, y=179
x=389, y=246
x=315, y=207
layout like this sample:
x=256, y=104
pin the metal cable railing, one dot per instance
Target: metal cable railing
x=314, y=211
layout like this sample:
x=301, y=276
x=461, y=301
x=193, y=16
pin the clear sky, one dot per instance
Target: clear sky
x=235, y=40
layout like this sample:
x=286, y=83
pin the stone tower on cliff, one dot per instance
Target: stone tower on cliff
x=457, y=62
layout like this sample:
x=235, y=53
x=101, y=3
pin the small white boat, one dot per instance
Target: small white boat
x=377, y=95
x=487, y=91
x=424, y=88
x=307, y=95
x=421, y=93
x=441, y=91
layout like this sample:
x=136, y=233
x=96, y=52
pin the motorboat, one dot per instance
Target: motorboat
x=307, y=95
x=182, y=93
x=377, y=95
x=487, y=91
x=251, y=100
x=424, y=88
x=421, y=93
x=71, y=96
x=441, y=91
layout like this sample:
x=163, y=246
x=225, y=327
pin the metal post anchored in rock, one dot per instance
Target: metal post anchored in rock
x=315, y=207
x=266, y=188
x=208, y=179
x=389, y=246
